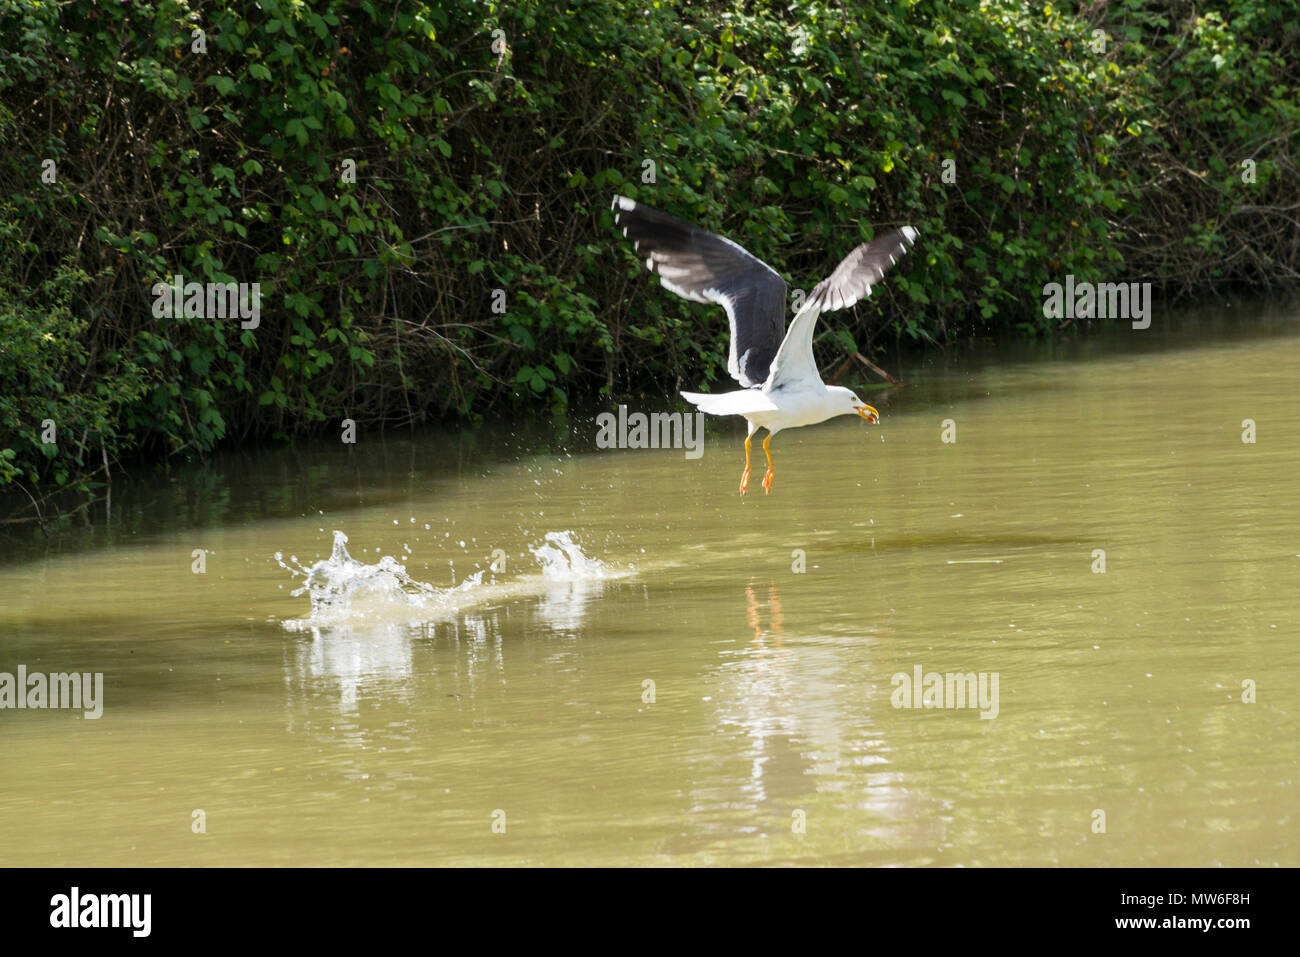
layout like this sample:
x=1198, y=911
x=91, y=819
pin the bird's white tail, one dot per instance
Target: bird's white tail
x=743, y=402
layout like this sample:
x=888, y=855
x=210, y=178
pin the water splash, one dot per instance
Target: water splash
x=570, y=581
x=342, y=589
x=562, y=559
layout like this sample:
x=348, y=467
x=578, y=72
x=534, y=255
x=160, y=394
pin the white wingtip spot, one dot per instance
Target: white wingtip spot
x=910, y=233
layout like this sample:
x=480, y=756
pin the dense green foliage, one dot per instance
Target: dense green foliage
x=486, y=161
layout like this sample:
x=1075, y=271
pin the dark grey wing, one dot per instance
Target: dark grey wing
x=704, y=267
x=794, y=366
x=862, y=269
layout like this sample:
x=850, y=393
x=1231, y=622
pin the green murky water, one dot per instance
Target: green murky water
x=414, y=711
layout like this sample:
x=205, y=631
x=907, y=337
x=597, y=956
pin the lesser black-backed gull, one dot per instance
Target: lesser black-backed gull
x=782, y=388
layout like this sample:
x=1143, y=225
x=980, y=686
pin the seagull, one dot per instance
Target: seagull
x=782, y=388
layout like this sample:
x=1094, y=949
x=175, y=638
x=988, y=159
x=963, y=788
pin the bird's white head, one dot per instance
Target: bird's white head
x=846, y=402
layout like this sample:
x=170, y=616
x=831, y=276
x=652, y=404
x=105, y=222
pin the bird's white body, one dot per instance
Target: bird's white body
x=781, y=408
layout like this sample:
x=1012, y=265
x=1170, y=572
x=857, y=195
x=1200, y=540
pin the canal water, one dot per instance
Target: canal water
x=508, y=646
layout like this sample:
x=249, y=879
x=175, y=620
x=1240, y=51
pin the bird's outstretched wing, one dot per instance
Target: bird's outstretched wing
x=851, y=281
x=704, y=267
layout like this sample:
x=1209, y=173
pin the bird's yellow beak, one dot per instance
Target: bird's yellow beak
x=868, y=413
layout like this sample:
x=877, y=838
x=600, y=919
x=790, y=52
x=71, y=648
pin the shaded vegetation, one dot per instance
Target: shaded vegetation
x=487, y=161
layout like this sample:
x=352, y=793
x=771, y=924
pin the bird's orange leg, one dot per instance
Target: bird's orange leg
x=771, y=472
x=744, y=479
